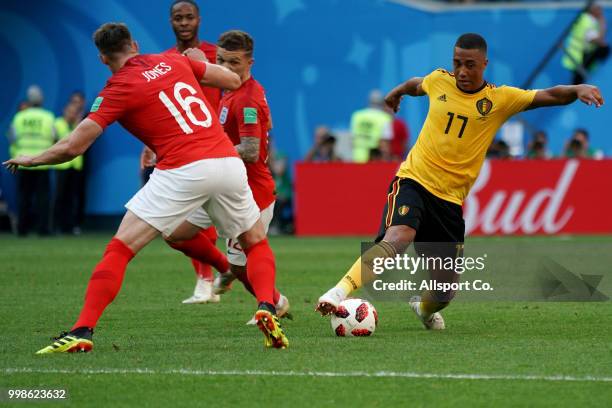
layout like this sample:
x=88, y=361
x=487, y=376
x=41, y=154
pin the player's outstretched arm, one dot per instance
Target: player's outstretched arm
x=216, y=76
x=220, y=77
x=65, y=150
x=411, y=87
x=566, y=94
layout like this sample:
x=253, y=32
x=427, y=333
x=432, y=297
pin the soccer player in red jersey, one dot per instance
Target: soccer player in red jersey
x=245, y=116
x=185, y=20
x=157, y=98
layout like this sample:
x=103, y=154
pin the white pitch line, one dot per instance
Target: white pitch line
x=259, y=373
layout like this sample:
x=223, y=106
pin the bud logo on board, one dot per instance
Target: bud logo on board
x=519, y=197
x=514, y=210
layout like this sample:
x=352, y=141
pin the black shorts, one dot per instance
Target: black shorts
x=434, y=219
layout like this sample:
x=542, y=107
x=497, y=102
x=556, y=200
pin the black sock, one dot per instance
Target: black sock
x=267, y=306
x=82, y=332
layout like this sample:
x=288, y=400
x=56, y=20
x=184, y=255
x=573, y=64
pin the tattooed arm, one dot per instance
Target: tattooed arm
x=248, y=149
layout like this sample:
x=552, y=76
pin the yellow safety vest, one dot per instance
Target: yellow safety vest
x=367, y=127
x=576, y=44
x=34, y=134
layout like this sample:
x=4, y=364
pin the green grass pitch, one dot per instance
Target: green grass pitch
x=150, y=350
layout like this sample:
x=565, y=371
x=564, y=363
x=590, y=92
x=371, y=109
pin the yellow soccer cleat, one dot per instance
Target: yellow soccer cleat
x=68, y=343
x=269, y=325
x=282, y=311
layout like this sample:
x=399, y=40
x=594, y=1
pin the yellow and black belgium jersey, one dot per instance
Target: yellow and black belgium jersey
x=457, y=132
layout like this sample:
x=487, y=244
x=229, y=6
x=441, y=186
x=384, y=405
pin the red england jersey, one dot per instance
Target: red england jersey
x=245, y=112
x=157, y=98
x=213, y=95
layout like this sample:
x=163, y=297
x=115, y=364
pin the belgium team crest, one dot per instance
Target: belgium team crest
x=484, y=106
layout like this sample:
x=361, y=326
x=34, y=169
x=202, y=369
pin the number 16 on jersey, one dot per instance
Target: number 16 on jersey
x=186, y=103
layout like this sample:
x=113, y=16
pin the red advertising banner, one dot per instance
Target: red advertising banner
x=510, y=197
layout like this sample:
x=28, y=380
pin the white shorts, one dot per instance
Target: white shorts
x=219, y=186
x=235, y=254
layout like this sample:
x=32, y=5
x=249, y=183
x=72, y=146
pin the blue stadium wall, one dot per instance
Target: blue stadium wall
x=318, y=59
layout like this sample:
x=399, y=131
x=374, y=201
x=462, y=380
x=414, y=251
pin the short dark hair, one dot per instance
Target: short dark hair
x=583, y=131
x=112, y=38
x=236, y=40
x=77, y=93
x=471, y=41
x=193, y=3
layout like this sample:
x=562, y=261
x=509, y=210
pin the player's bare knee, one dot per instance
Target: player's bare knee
x=129, y=241
x=184, y=232
x=173, y=238
x=134, y=232
x=400, y=236
x=256, y=234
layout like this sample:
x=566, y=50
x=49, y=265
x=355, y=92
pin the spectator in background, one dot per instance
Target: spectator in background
x=31, y=133
x=400, y=138
x=586, y=43
x=324, y=148
x=371, y=129
x=577, y=147
x=78, y=98
x=498, y=150
x=282, y=221
x=538, y=146
x=376, y=155
x=68, y=175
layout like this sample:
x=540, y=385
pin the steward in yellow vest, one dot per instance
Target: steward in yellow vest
x=586, y=43
x=369, y=127
x=32, y=132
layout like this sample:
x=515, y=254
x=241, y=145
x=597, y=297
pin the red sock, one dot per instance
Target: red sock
x=261, y=271
x=104, y=283
x=204, y=270
x=201, y=249
x=242, y=277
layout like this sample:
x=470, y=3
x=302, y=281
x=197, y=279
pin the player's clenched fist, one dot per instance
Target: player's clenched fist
x=147, y=158
x=392, y=100
x=195, y=54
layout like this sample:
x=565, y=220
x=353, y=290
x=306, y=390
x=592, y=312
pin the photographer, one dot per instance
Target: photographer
x=578, y=146
x=538, y=146
x=324, y=148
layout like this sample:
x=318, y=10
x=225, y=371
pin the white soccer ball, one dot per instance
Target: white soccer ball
x=354, y=317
